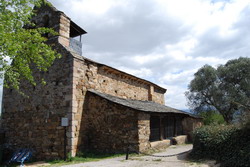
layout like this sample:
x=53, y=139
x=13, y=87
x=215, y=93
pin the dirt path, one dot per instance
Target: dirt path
x=149, y=161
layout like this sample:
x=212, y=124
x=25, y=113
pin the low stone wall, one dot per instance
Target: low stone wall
x=182, y=139
x=159, y=145
x=189, y=125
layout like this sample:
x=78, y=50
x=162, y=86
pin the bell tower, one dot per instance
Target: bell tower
x=69, y=33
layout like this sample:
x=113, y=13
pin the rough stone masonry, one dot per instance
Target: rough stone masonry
x=94, y=123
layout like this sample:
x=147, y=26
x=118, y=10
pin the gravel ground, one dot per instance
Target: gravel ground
x=150, y=161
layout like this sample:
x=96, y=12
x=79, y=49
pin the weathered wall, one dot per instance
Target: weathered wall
x=34, y=122
x=143, y=131
x=159, y=96
x=89, y=75
x=95, y=76
x=110, y=127
x=48, y=16
x=189, y=125
x=120, y=85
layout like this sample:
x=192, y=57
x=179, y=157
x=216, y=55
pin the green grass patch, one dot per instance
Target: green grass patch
x=84, y=157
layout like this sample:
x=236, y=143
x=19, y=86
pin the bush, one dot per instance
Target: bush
x=230, y=145
x=212, y=117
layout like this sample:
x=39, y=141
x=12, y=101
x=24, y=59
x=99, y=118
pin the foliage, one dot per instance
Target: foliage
x=229, y=145
x=212, y=117
x=24, y=48
x=225, y=89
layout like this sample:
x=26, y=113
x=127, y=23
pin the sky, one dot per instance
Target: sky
x=163, y=41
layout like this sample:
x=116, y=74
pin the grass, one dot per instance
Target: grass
x=80, y=158
x=84, y=157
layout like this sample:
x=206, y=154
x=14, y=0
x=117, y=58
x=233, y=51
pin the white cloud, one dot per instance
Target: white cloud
x=175, y=97
x=142, y=72
x=141, y=59
x=178, y=77
x=164, y=41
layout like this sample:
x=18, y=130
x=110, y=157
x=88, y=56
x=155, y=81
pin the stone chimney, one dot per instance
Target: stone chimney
x=150, y=93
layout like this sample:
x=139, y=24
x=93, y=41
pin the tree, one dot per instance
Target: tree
x=225, y=89
x=212, y=117
x=22, y=49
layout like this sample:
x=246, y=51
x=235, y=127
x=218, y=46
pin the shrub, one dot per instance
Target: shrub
x=229, y=144
x=212, y=117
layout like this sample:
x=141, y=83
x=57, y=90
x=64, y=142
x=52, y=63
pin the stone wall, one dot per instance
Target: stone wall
x=110, y=127
x=110, y=81
x=116, y=84
x=34, y=121
x=48, y=16
x=143, y=131
x=90, y=75
x=189, y=125
x=159, y=96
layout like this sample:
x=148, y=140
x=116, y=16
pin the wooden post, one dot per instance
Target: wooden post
x=161, y=128
x=127, y=153
x=175, y=129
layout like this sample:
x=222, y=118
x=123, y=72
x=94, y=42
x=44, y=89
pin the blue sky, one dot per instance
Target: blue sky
x=163, y=41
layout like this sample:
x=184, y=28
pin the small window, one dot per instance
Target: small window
x=46, y=21
x=46, y=24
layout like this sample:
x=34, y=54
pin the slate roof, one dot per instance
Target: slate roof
x=145, y=106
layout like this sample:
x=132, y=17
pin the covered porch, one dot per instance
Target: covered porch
x=165, y=126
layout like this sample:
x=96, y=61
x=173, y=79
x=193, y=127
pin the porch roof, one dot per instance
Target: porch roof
x=145, y=106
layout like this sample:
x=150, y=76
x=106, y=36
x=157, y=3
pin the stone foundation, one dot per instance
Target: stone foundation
x=183, y=139
x=159, y=145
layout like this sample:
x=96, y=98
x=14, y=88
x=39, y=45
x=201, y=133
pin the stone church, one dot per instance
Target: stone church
x=108, y=109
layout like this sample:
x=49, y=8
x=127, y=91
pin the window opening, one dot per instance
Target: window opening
x=179, y=129
x=154, y=128
x=169, y=127
x=46, y=24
